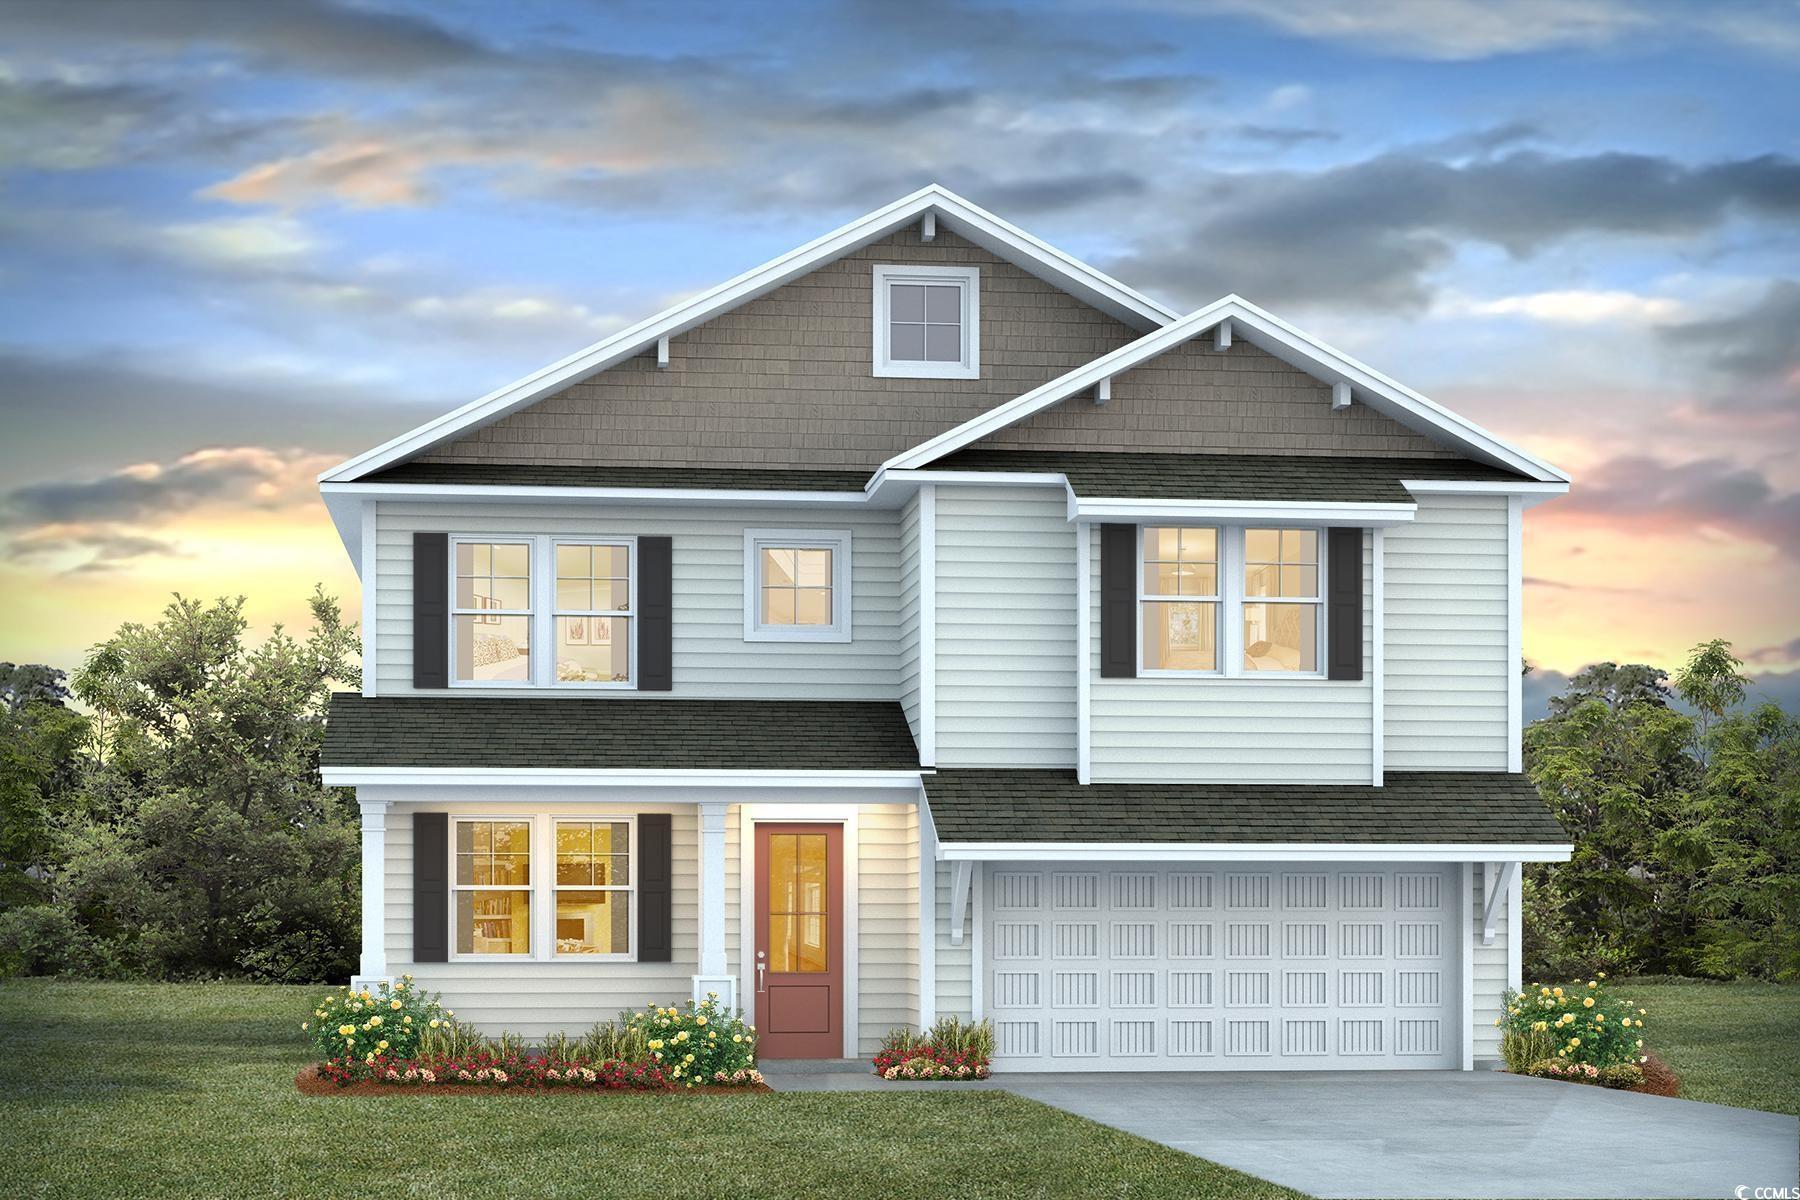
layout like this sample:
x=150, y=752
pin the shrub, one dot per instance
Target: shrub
x=1580, y=1024
x=386, y=1022
x=487, y=1069
x=950, y=1049
x=1624, y=1077
x=696, y=1044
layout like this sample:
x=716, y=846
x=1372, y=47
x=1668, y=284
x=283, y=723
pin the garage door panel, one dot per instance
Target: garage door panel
x=1296, y=968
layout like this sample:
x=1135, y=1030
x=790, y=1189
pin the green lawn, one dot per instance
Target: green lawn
x=1731, y=1043
x=168, y=1090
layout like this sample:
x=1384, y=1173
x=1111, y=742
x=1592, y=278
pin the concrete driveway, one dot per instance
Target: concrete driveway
x=1439, y=1133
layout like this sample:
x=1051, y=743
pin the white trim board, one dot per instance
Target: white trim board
x=1273, y=335
x=948, y=209
x=492, y=777
x=1462, y=852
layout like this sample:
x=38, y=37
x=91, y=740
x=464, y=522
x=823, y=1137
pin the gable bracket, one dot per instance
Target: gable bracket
x=1497, y=881
x=1103, y=390
x=928, y=227
x=1222, y=336
x=1340, y=396
x=662, y=353
x=959, y=899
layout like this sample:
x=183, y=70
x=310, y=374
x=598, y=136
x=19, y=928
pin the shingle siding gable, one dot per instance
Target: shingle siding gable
x=786, y=380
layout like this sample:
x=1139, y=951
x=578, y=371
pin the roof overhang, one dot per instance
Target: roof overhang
x=511, y=778
x=1307, y=512
x=1275, y=336
x=1197, y=852
x=946, y=208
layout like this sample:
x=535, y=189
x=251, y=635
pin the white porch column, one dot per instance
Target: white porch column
x=374, y=893
x=713, y=976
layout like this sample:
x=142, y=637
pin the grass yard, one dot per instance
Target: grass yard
x=171, y=1090
x=1731, y=1043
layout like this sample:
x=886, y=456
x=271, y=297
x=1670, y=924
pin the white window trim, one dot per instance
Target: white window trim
x=838, y=541
x=542, y=610
x=969, y=279
x=1217, y=601
x=543, y=887
x=533, y=907
x=1230, y=638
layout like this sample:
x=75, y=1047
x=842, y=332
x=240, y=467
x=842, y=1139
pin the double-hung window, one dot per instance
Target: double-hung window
x=542, y=611
x=1282, y=609
x=490, y=622
x=492, y=888
x=1180, y=599
x=928, y=322
x=1230, y=600
x=583, y=903
x=593, y=887
x=797, y=585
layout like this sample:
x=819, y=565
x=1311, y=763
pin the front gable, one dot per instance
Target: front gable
x=1198, y=399
x=785, y=380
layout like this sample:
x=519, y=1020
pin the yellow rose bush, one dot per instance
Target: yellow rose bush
x=387, y=1020
x=1582, y=1025
x=698, y=1045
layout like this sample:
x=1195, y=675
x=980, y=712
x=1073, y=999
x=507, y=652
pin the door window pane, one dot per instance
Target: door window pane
x=799, y=902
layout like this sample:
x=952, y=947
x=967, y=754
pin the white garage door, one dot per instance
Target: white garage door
x=1182, y=968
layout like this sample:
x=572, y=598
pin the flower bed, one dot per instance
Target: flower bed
x=949, y=1050
x=388, y=1040
x=1581, y=1034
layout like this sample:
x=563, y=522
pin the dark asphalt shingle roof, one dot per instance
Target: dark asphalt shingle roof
x=616, y=732
x=1133, y=476
x=1422, y=806
x=549, y=475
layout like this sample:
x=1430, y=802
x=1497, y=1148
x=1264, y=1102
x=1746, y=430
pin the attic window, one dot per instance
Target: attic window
x=927, y=322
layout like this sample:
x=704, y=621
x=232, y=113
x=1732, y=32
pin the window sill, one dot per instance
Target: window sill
x=926, y=371
x=823, y=636
x=1221, y=677
x=519, y=960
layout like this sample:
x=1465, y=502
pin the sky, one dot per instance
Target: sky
x=241, y=242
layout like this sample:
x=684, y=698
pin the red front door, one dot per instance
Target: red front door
x=800, y=941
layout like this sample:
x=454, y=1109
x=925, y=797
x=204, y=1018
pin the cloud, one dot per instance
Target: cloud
x=1635, y=491
x=147, y=492
x=1573, y=306
x=1786, y=654
x=1285, y=136
x=334, y=39
x=1453, y=30
x=1372, y=233
x=64, y=125
x=91, y=549
x=234, y=240
x=1756, y=350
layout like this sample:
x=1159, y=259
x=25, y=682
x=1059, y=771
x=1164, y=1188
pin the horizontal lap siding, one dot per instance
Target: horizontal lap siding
x=909, y=614
x=1210, y=730
x=1447, y=667
x=711, y=658
x=955, y=974
x=533, y=999
x=1005, y=628
x=1490, y=971
x=887, y=921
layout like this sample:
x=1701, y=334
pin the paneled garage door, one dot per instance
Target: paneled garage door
x=1184, y=968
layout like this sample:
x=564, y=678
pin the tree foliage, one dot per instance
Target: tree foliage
x=1686, y=827
x=188, y=833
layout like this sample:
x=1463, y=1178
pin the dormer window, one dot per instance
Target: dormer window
x=928, y=322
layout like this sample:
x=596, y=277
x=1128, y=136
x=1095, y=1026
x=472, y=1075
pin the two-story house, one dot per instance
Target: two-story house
x=924, y=622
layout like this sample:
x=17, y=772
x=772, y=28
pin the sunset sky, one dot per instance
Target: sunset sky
x=240, y=242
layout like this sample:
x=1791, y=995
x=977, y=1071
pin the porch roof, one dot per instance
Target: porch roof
x=615, y=733
x=1414, y=807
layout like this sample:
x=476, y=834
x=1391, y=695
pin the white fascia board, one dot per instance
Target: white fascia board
x=504, y=777
x=1269, y=333
x=1249, y=852
x=1485, y=487
x=523, y=493
x=970, y=221
x=1312, y=512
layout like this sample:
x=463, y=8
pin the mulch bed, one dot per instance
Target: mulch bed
x=1659, y=1079
x=311, y=1083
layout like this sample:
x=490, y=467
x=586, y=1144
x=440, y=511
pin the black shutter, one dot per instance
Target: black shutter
x=1344, y=603
x=431, y=610
x=656, y=616
x=656, y=885
x=1118, y=601
x=431, y=887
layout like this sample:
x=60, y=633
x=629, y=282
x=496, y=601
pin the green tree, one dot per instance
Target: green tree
x=41, y=744
x=1619, y=687
x=209, y=845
